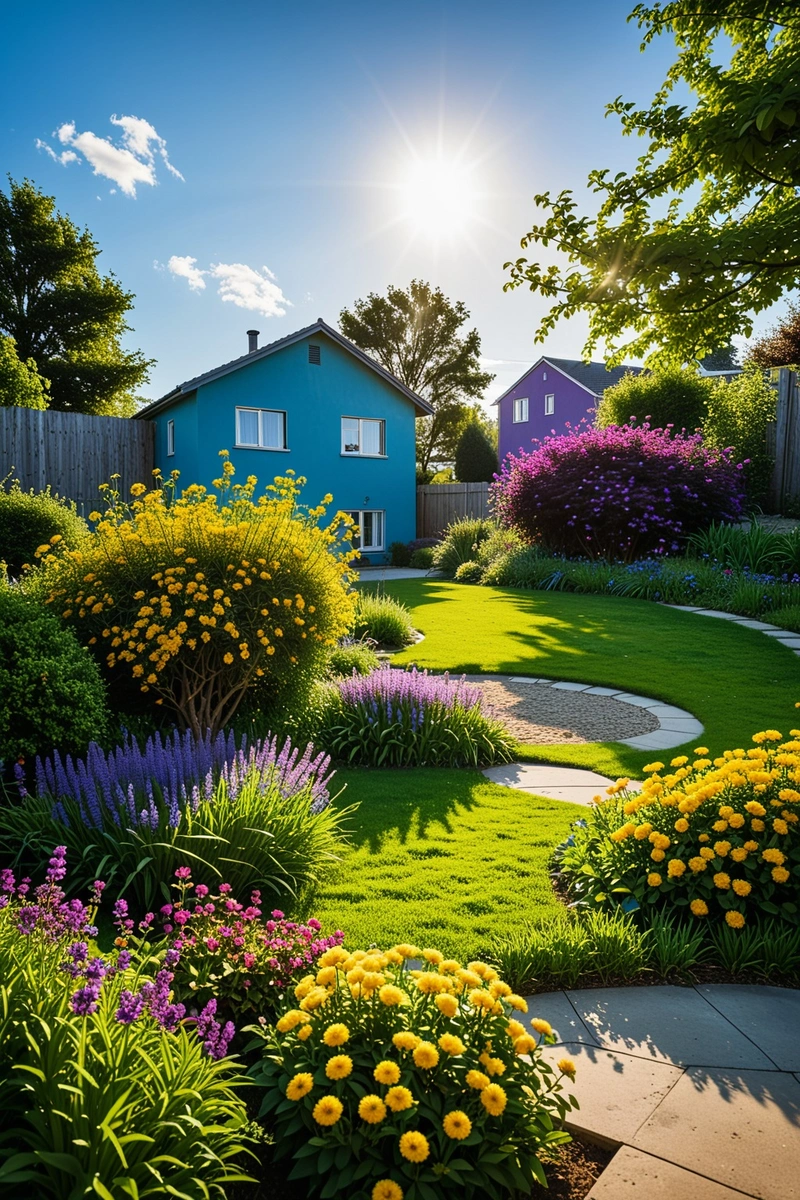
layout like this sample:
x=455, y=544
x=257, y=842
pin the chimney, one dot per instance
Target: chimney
x=252, y=340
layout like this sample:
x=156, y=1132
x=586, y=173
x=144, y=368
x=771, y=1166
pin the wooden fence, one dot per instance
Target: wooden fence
x=783, y=441
x=440, y=503
x=74, y=453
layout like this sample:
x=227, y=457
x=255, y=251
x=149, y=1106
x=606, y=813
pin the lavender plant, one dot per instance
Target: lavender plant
x=257, y=816
x=410, y=718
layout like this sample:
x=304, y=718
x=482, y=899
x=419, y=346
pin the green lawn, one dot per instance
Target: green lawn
x=443, y=858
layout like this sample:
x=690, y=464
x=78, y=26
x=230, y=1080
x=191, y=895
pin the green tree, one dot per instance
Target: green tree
x=60, y=311
x=416, y=334
x=475, y=457
x=21, y=385
x=726, y=358
x=739, y=409
x=781, y=346
x=704, y=231
x=669, y=395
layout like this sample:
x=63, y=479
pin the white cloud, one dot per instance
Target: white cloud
x=130, y=162
x=184, y=267
x=248, y=288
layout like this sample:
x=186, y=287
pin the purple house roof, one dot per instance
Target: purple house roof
x=552, y=394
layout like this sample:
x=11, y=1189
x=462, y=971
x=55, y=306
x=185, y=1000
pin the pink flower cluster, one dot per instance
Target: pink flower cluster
x=617, y=493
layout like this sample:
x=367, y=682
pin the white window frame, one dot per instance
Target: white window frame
x=524, y=407
x=240, y=445
x=550, y=404
x=170, y=438
x=360, y=453
x=357, y=517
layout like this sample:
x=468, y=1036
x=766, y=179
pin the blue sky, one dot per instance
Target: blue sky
x=291, y=150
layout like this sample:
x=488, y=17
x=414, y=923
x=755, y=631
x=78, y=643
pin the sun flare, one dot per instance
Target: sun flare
x=438, y=198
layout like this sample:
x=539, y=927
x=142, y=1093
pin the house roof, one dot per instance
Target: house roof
x=423, y=409
x=594, y=377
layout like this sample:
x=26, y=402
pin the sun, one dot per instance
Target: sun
x=438, y=198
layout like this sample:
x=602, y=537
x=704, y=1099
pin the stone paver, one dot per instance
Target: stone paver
x=666, y=1024
x=557, y=783
x=367, y=574
x=634, y=1175
x=769, y=1016
x=741, y=1128
x=556, y=1008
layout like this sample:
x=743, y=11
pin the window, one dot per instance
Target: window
x=370, y=523
x=170, y=437
x=314, y=355
x=364, y=437
x=549, y=405
x=520, y=410
x=544, y=376
x=261, y=428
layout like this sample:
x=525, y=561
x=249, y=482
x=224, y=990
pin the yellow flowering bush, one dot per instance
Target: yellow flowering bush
x=384, y=1081
x=718, y=839
x=196, y=596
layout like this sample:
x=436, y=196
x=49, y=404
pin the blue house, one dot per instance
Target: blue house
x=311, y=401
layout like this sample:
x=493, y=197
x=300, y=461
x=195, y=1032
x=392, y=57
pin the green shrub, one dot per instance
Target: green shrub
x=422, y=558
x=30, y=520
x=739, y=410
x=461, y=542
x=475, y=457
x=399, y=554
x=469, y=572
x=352, y=656
x=52, y=693
x=676, y=947
x=384, y=620
x=787, y=618
x=676, y=396
x=403, y=1072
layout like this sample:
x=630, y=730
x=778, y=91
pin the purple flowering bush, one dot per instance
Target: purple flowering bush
x=395, y=718
x=617, y=493
x=82, y=1108
x=229, y=953
x=255, y=815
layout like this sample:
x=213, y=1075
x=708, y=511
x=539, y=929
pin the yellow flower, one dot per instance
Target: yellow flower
x=426, y=1056
x=515, y=1029
x=697, y=863
x=327, y=1111
x=405, y=1040
x=399, y=1099
x=290, y=1019
x=755, y=809
x=773, y=856
x=371, y=1109
x=300, y=1086
x=706, y=852
x=517, y=1002
x=457, y=1125
x=494, y=1099
x=780, y=826
x=654, y=879
x=742, y=887
x=567, y=1067
x=681, y=825
x=675, y=868
x=448, y=1005
x=494, y=1066
x=387, y=1189
x=227, y=658
x=657, y=855
x=721, y=849
x=451, y=1044
x=722, y=881
x=477, y=1080
x=734, y=919
x=386, y=1072
x=780, y=874
x=699, y=908
x=339, y=1067
x=524, y=1044
x=390, y=995
x=336, y=1035
x=305, y=1032
x=414, y=1146
x=541, y=1026
x=479, y=998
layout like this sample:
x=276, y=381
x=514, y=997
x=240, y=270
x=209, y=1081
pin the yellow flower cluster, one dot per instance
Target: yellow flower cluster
x=197, y=595
x=727, y=830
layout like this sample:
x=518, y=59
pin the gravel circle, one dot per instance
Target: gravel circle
x=537, y=713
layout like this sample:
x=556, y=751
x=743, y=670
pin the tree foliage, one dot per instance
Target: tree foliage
x=671, y=395
x=476, y=457
x=21, y=385
x=60, y=311
x=739, y=410
x=781, y=346
x=415, y=333
x=703, y=232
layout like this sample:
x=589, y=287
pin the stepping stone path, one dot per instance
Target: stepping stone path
x=572, y=784
x=698, y=1087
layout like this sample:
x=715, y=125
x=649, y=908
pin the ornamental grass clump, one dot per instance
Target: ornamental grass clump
x=617, y=493
x=195, y=598
x=714, y=841
x=383, y=1081
x=251, y=815
x=399, y=718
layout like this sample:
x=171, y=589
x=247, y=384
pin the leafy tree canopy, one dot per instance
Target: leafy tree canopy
x=60, y=311
x=704, y=231
x=21, y=385
x=726, y=358
x=781, y=346
x=475, y=457
x=416, y=334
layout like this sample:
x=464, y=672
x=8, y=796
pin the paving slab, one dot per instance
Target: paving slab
x=792, y=642
x=749, y=623
x=603, y=691
x=531, y=775
x=525, y=679
x=630, y=698
x=616, y=1092
x=714, y=612
x=670, y=710
x=662, y=739
x=634, y=1175
x=566, y=686
x=778, y=633
x=740, y=1128
x=769, y=1016
x=666, y=1024
x=556, y=1008
x=585, y=796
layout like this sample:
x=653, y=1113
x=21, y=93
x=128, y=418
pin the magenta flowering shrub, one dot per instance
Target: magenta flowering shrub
x=617, y=493
x=226, y=953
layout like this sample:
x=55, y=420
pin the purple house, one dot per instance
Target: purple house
x=552, y=393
